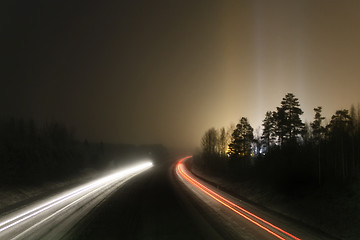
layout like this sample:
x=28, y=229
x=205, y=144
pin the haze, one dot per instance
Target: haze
x=165, y=71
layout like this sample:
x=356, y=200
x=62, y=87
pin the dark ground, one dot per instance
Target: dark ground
x=332, y=212
x=148, y=206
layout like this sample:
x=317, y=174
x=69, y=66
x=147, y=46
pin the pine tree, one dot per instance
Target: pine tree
x=318, y=132
x=317, y=129
x=339, y=131
x=268, y=135
x=288, y=123
x=242, y=139
x=280, y=125
x=340, y=123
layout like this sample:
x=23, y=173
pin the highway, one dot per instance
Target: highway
x=237, y=219
x=165, y=201
x=53, y=217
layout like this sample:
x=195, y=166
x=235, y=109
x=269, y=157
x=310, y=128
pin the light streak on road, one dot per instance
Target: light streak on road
x=30, y=217
x=261, y=223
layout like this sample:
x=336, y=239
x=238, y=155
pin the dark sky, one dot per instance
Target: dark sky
x=165, y=71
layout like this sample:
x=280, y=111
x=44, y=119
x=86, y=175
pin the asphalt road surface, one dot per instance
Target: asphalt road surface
x=150, y=206
x=236, y=219
x=164, y=202
x=53, y=217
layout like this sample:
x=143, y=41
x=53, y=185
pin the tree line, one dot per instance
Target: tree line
x=33, y=153
x=289, y=152
x=30, y=153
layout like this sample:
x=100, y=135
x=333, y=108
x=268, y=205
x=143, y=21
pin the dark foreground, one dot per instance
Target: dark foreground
x=149, y=206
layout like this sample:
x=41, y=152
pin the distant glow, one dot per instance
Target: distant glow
x=92, y=187
x=227, y=149
x=263, y=224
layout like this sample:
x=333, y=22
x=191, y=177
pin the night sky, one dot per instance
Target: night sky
x=166, y=71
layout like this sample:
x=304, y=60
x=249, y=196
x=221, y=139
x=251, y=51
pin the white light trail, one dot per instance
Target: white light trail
x=92, y=187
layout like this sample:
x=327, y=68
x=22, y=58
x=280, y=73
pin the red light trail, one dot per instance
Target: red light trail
x=263, y=224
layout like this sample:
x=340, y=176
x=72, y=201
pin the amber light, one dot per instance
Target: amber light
x=232, y=206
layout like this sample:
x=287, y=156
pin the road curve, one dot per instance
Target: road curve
x=52, y=218
x=241, y=220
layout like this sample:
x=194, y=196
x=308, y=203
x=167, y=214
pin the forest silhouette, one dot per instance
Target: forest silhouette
x=289, y=154
x=31, y=154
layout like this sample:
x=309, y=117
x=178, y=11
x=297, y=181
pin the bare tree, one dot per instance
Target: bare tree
x=222, y=142
x=209, y=142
